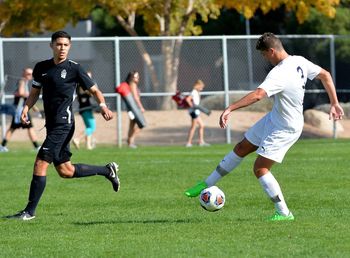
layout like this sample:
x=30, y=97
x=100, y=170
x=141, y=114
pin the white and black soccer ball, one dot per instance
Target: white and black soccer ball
x=212, y=198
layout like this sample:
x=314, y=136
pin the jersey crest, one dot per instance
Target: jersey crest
x=64, y=74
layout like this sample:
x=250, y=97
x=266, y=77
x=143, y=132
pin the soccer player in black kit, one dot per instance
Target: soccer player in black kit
x=57, y=78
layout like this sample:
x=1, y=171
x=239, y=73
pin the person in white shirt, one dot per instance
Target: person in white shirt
x=193, y=101
x=278, y=130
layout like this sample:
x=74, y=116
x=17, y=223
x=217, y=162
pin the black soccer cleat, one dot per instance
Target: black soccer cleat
x=22, y=215
x=113, y=176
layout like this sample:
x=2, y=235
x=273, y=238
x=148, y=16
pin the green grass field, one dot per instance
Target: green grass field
x=150, y=216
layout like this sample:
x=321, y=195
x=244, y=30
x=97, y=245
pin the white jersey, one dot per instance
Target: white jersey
x=286, y=83
x=195, y=97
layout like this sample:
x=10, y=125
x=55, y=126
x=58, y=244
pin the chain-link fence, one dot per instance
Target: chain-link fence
x=229, y=66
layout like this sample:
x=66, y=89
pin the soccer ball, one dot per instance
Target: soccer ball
x=212, y=198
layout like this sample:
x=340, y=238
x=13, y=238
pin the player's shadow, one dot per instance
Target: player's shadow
x=151, y=221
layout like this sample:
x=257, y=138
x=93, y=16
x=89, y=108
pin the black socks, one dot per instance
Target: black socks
x=37, y=187
x=82, y=170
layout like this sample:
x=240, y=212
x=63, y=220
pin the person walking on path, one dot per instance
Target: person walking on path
x=133, y=79
x=193, y=100
x=20, y=96
x=86, y=110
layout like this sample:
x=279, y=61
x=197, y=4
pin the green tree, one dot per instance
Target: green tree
x=301, y=8
x=26, y=17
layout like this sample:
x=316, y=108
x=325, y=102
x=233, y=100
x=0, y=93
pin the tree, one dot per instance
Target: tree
x=177, y=17
x=302, y=8
x=26, y=17
x=163, y=18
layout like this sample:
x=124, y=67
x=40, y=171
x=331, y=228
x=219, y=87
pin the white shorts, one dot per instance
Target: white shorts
x=273, y=142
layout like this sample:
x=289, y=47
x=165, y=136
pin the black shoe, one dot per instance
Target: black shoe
x=113, y=176
x=22, y=215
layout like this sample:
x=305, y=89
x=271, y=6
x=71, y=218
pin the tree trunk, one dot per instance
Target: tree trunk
x=171, y=54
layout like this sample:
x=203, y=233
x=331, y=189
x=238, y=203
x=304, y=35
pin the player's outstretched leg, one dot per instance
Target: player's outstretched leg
x=196, y=190
x=110, y=171
x=113, y=176
x=227, y=164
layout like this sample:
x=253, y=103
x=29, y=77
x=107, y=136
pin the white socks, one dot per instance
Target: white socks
x=267, y=181
x=273, y=190
x=229, y=162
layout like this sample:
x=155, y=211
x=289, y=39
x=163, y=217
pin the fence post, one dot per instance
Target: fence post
x=118, y=99
x=2, y=88
x=333, y=72
x=119, y=120
x=226, y=85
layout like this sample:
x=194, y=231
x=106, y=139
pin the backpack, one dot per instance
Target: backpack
x=180, y=100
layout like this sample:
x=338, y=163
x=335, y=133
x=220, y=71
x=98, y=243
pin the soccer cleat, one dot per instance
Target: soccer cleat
x=279, y=217
x=22, y=215
x=113, y=176
x=3, y=149
x=196, y=190
x=204, y=144
x=132, y=146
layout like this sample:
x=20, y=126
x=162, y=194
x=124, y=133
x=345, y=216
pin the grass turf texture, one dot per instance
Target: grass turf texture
x=151, y=217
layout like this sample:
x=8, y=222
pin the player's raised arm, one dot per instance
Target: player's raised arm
x=336, y=111
x=105, y=111
x=247, y=100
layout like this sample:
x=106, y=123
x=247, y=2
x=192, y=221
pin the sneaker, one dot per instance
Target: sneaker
x=279, y=217
x=22, y=215
x=3, y=149
x=113, y=176
x=132, y=146
x=76, y=143
x=188, y=145
x=196, y=190
x=204, y=144
x=93, y=143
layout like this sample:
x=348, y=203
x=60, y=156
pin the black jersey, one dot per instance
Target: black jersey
x=58, y=84
x=84, y=100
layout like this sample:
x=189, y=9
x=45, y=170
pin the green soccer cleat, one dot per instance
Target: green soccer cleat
x=196, y=190
x=279, y=217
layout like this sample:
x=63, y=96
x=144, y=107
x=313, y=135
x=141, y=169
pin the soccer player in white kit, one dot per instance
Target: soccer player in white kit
x=278, y=130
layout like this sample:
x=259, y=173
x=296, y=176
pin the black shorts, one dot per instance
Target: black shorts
x=56, y=145
x=15, y=125
x=194, y=114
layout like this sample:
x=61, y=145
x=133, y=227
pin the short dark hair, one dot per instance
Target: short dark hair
x=268, y=40
x=130, y=76
x=60, y=34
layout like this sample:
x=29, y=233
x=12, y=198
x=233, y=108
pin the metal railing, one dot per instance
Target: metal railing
x=227, y=64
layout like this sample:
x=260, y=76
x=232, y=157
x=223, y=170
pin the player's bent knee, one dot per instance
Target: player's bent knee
x=259, y=172
x=244, y=147
x=64, y=171
x=65, y=174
